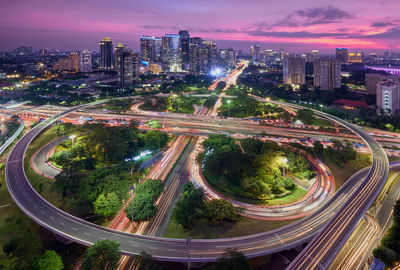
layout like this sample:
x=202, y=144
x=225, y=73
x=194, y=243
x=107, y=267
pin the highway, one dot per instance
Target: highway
x=39, y=160
x=10, y=140
x=201, y=250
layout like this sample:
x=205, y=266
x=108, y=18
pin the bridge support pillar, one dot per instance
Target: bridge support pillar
x=62, y=239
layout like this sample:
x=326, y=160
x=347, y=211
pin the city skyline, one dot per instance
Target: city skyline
x=368, y=26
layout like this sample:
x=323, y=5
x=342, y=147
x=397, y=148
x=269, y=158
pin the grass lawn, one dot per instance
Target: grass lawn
x=203, y=228
x=230, y=190
x=341, y=174
x=322, y=122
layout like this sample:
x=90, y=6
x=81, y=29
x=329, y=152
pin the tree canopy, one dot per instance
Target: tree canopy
x=104, y=255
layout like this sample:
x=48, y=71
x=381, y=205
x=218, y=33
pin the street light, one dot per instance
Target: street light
x=229, y=107
x=188, y=243
x=321, y=106
x=132, y=188
x=72, y=137
x=268, y=99
x=284, y=162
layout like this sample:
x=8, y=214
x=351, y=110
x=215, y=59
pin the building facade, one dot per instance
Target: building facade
x=185, y=42
x=371, y=81
x=327, y=73
x=127, y=66
x=85, y=58
x=294, y=69
x=388, y=95
x=106, y=54
x=341, y=54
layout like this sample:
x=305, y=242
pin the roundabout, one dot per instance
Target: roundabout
x=348, y=204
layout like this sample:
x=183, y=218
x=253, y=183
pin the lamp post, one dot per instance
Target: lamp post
x=132, y=188
x=229, y=107
x=321, y=106
x=188, y=243
x=284, y=162
x=72, y=137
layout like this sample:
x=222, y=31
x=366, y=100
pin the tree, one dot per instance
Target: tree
x=385, y=254
x=306, y=116
x=147, y=262
x=143, y=207
x=155, y=139
x=218, y=210
x=189, y=206
x=152, y=187
x=104, y=255
x=106, y=205
x=50, y=260
x=12, y=245
x=318, y=147
x=232, y=260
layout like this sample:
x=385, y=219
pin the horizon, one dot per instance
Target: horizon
x=365, y=26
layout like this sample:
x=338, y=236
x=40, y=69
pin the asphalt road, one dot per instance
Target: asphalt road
x=39, y=160
x=86, y=233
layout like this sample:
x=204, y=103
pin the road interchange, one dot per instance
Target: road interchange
x=86, y=233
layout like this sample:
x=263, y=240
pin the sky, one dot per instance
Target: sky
x=294, y=25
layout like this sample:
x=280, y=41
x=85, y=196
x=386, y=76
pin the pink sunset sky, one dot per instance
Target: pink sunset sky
x=296, y=26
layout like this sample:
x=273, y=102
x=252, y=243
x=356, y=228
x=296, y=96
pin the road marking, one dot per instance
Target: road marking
x=134, y=245
x=35, y=205
x=153, y=248
x=75, y=229
x=87, y=233
x=51, y=218
x=102, y=238
x=62, y=223
x=171, y=249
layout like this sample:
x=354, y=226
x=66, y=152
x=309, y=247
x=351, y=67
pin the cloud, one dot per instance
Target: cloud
x=314, y=16
x=382, y=24
x=392, y=33
x=159, y=27
x=297, y=34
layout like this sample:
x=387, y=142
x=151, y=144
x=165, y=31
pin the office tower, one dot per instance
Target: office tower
x=202, y=55
x=327, y=73
x=75, y=61
x=341, y=54
x=355, y=57
x=171, y=57
x=312, y=55
x=226, y=58
x=388, y=95
x=271, y=57
x=255, y=54
x=294, y=69
x=85, y=58
x=106, y=53
x=118, y=52
x=371, y=81
x=150, y=48
x=127, y=66
x=185, y=40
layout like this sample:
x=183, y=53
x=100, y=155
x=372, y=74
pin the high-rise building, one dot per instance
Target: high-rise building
x=185, y=40
x=127, y=66
x=312, y=55
x=388, y=95
x=85, y=61
x=75, y=61
x=106, y=53
x=255, y=52
x=271, y=57
x=294, y=69
x=171, y=56
x=371, y=81
x=355, y=57
x=202, y=55
x=226, y=58
x=118, y=52
x=327, y=73
x=341, y=54
x=150, y=48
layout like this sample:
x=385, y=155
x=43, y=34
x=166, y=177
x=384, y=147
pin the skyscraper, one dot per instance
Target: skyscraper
x=226, y=58
x=185, y=40
x=327, y=73
x=312, y=55
x=341, y=54
x=127, y=65
x=86, y=61
x=150, y=48
x=255, y=53
x=202, y=55
x=171, y=57
x=106, y=53
x=75, y=61
x=294, y=69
